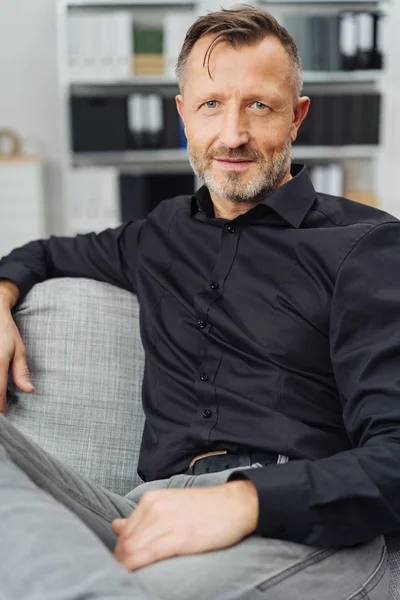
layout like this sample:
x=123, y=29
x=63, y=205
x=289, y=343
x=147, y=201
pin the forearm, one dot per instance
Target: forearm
x=345, y=499
x=9, y=294
x=245, y=492
x=109, y=256
x=22, y=269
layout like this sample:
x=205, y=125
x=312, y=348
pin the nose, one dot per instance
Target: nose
x=234, y=132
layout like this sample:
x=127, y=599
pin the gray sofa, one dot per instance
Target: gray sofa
x=86, y=360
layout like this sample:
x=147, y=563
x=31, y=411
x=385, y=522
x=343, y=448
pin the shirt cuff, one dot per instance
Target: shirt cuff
x=18, y=274
x=283, y=494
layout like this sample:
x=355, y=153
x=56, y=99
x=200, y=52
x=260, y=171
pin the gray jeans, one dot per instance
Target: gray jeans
x=53, y=523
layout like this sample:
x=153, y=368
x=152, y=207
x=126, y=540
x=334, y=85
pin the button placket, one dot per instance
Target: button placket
x=205, y=391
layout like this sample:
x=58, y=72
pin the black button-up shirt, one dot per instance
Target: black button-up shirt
x=277, y=331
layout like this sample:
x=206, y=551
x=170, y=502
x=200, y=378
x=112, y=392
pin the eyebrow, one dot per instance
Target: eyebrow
x=268, y=95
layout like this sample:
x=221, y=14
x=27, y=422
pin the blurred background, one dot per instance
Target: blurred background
x=89, y=134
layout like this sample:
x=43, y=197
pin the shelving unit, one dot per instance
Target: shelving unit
x=136, y=161
x=326, y=6
x=347, y=77
x=176, y=160
x=147, y=159
x=373, y=77
x=129, y=3
x=180, y=3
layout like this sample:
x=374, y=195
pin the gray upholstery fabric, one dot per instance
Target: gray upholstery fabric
x=393, y=544
x=86, y=360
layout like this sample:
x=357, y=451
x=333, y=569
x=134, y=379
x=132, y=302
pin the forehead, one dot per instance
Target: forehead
x=261, y=64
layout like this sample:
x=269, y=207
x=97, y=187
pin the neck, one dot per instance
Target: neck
x=226, y=209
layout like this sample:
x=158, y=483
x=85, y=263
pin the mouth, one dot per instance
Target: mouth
x=234, y=163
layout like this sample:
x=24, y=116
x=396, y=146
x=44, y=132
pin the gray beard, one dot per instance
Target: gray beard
x=233, y=189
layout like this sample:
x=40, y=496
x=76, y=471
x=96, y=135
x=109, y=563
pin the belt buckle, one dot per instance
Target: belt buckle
x=205, y=455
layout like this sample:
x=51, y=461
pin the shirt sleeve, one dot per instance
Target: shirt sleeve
x=353, y=496
x=109, y=256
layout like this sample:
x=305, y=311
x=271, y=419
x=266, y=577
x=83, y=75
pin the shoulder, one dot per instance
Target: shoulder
x=170, y=209
x=342, y=212
x=172, y=206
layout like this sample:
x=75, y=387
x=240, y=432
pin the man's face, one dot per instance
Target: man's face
x=240, y=123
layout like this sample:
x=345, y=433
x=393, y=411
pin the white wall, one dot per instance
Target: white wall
x=29, y=91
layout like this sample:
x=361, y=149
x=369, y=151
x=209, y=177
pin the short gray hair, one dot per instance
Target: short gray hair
x=239, y=26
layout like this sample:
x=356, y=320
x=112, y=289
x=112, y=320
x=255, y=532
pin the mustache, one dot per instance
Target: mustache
x=245, y=153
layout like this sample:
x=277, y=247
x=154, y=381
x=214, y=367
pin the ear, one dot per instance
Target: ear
x=179, y=106
x=299, y=114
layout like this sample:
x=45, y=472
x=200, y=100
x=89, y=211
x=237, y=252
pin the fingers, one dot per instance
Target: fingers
x=118, y=525
x=3, y=385
x=141, y=513
x=20, y=371
x=135, y=554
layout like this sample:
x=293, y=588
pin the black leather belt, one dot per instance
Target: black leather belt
x=219, y=460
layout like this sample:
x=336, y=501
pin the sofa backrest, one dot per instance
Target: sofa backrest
x=86, y=360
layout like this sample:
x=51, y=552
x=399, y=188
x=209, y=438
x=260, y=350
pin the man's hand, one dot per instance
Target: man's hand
x=169, y=523
x=12, y=348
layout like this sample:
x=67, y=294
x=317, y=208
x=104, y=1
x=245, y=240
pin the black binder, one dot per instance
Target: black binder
x=140, y=194
x=98, y=124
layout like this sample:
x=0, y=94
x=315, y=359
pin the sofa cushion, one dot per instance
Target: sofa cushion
x=86, y=361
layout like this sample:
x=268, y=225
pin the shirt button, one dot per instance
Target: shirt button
x=231, y=229
x=201, y=324
x=214, y=285
x=207, y=413
x=204, y=377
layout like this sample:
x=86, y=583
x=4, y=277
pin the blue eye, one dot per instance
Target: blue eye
x=211, y=104
x=260, y=105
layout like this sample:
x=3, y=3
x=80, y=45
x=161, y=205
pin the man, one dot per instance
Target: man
x=270, y=322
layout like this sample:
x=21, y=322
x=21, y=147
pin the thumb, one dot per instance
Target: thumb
x=20, y=372
x=118, y=525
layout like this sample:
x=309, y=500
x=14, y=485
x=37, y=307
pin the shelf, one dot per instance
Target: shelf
x=358, y=4
x=137, y=161
x=307, y=6
x=325, y=6
x=138, y=157
x=310, y=77
x=121, y=86
x=333, y=152
x=367, y=76
x=130, y=3
x=20, y=158
x=192, y=3
x=148, y=158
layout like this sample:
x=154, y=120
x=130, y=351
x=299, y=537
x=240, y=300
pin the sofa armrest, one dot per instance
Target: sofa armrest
x=86, y=361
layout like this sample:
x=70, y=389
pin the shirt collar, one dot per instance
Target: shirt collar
x=291, y=201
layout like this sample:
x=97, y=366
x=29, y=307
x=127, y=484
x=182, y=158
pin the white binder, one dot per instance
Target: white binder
x=92, y=200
